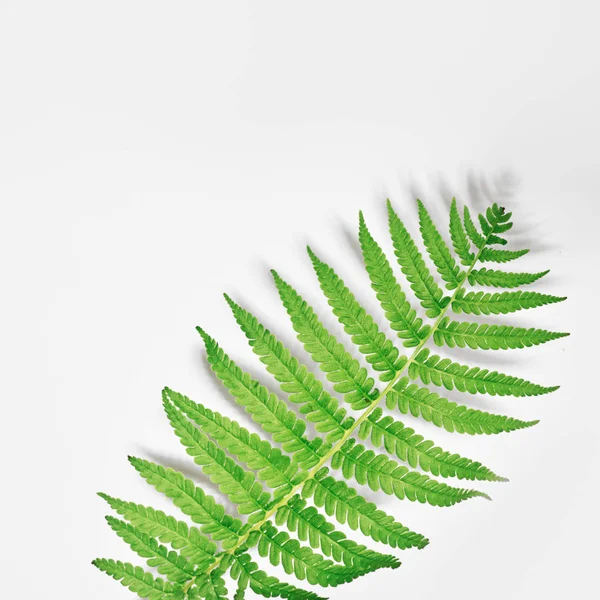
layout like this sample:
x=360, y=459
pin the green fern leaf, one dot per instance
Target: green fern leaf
x=303, y=387
x=438, y=250
x=502, y=278
x=190, y=542
x=420, y=402
x=490, y=337
x=460, y=241
x=380, y=352
x=192, y=501
x=340, y=500
x=239, y=485
x=139, y=581
x=273, y=467
x=247, y=573
x=414, y=268
x=345, y=372
x=500, y=303
x=500, y=256
x=240, y=593
x=380, y=472
x=444, y=372
x=168, y=563
x=302, y=562
x=270, y=412
x=271, y=485
x=210, y=586
x=402, y=317
x=477, y=239
x=312, y=526
x=412, y=448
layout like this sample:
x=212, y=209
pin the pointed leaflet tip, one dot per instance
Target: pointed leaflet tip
x=390, y=208
x=166, y=397
x=362, y=226
x=203, y=334
x=134, y=460
x=230, y=301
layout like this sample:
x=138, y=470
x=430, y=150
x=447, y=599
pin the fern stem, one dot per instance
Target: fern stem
x=364, y=415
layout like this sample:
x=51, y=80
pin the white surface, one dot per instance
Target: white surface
x=155, y=154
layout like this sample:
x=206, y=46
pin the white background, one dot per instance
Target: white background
x=156, y=154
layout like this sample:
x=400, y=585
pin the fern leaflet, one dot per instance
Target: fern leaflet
x=413, y=266
x=503, y=279
x=443, y=372
x=438, y=251
x=402, y=317
x=500, y=303
x=460, y=241
x=490, y=337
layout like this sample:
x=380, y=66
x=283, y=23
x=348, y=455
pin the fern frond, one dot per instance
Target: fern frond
x=414, y=449
x=247, y=573
x=503, y=279
x=340, y=500
x=271, y=480
x=402, y=317
x=412, y=265
x=295, y=379
x=302, y=562
x=344, y=371
x=500, y=256
x=443, y=372
x=358, y=324
x=490, y=337
x=266, y=409
x=190, y=542
x=476, y=237
x=239, y=485
x=310, y=525
x=500, y=303
x=276, y=469
x=459, y=238
x=438, y=250
x=409, y=398
x=167, y=562
x=192, y=501
x=139, y=581
x=382, y=473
